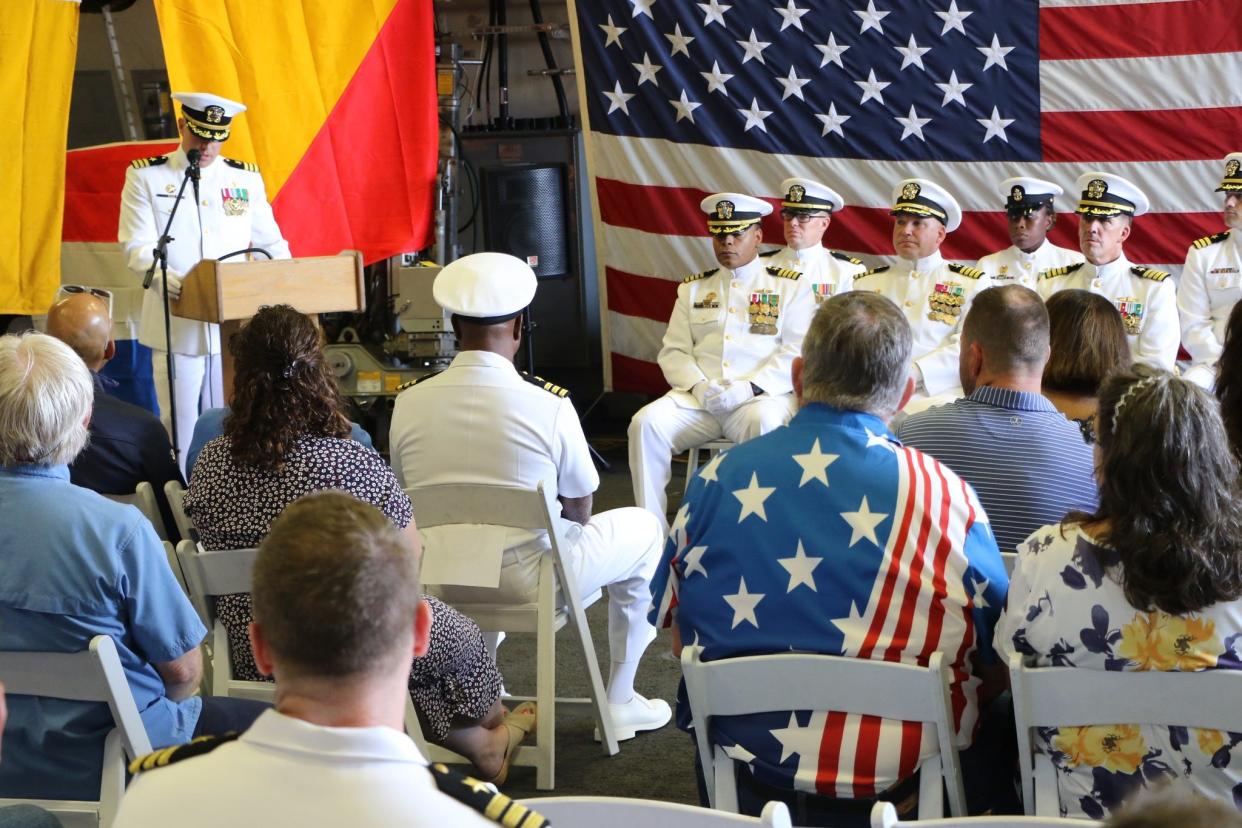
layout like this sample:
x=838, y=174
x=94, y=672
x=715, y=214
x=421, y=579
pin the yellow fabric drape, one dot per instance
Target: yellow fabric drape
x=38, y=50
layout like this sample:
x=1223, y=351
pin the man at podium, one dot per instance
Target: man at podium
x=223, y=209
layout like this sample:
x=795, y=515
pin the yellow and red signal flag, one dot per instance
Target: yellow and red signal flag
x=341, y=110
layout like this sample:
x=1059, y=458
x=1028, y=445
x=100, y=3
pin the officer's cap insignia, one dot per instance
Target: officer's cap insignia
x=1096, y=188
x=797, y=191
x=724, y=209
x=1017, y=193
x=1231, y=169
x=215, y=114
x=910, y=191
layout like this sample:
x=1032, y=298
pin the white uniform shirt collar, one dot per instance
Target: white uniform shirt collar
x=276, y=731
x=1118, y=267
x=178, y=161
x=814, y=253
x=1022, y=256
x=481, y=359
x=749, y=270
x=923, y=265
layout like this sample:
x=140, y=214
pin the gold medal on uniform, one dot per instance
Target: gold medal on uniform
x=946, y=301
x=235, y=200
x=764, y=311
x=1131, y=310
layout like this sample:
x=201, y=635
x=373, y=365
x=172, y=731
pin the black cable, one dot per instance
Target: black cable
x=545, y=44
x=485, y=68
x=470, y=172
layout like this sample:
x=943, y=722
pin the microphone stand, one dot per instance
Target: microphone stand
x=160, y=259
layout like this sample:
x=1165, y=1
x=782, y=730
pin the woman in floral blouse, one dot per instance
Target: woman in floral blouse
x=1150, y=581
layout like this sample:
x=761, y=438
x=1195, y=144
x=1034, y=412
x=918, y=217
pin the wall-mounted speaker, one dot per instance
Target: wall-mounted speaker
x=524, y=215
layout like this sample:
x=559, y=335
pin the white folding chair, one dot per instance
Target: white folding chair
x=1009, y=559
x=558, y=602
x=619, y=812
x=210, y=574
x=711, y=447
x=175, y=565
x=803, y=681
x=1077, y=697
x=93, y=675
x=884, y=815
x=144, y=498
x=174, y=493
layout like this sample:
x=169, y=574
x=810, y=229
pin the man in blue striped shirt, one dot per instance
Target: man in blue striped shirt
x=1026, y=461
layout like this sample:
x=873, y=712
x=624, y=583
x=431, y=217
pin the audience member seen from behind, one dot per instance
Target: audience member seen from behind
x=128, y=444
x=789, y=538
x=1229, y=380
x=76, y=565
x=337, y=620
x=286, y=437
x=1148, y=581
x=1088, y=342
x=1028, y=464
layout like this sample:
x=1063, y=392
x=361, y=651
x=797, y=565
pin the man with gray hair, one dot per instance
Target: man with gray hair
x=77, y=565
x=829, y=536
x=1028, y=463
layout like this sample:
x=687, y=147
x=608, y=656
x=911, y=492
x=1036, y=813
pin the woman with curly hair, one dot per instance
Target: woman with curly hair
x=1229, y=380
x=286, y=436
x=1088, y=342
x=1151, y=580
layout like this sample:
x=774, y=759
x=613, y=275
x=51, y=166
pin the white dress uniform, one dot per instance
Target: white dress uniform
x=286, y=773
x=935, y=296
x=739, y=326
x=825, y=271
x=481, y=421
x=232, y=213
x=1014, y=266
x=1210, y=286
x=1144, y=296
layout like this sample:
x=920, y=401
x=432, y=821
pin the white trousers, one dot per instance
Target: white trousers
x=200, y=385
x=617, y=550
x=663, y=429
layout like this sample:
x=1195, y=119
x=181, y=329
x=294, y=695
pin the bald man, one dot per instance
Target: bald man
x=128, y=444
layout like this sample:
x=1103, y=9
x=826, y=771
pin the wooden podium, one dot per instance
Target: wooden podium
x=231, y=292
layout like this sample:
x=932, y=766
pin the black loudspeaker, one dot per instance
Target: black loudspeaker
x=524, y=214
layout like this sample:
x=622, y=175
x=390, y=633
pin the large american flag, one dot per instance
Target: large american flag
x=686, y=98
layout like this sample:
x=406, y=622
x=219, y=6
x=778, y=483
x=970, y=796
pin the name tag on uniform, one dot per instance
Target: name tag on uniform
x=236, y=200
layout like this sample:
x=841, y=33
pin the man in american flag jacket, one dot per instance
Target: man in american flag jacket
x=829, y=536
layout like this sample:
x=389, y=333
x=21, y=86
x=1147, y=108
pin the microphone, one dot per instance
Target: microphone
x=193, y=171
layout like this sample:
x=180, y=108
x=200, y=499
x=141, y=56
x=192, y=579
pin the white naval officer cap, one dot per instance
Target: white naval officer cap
x=1232, y=182
x=1024, y=194
x=1105, y=194
x=920, y=197
x=805, y=195
x=488, y=288
x=208, y=116
x=731, y=212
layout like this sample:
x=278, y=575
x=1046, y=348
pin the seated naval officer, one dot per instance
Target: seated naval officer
x=807, y=208
x=481, y=421
x=733, y=335
x=933, y=293
x=1031, y=214
x=1144, y=296
x=1211, y=282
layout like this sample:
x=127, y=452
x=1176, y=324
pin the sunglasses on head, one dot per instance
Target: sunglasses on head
x=93, y=291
